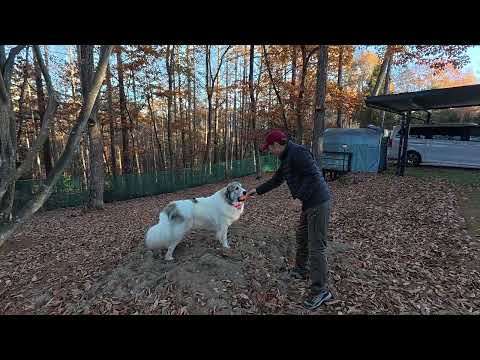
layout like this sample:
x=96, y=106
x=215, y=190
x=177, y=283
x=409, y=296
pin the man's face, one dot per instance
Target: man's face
x=276, y=149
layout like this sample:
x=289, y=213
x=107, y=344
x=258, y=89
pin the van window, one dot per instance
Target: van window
x=449, y=133
x=420, y=133
x=475, y=134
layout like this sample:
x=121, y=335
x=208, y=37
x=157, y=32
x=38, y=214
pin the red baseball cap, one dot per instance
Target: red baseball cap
x=273, y=136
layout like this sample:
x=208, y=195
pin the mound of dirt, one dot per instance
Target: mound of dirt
x=203, y=278
x=396, y=246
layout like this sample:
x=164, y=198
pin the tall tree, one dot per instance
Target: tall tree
x=320, y=96
x=299, y=108
x=32, y=206
x=189, y=117
x=210, y=81
x=216, y=129
x=339, y=84
x=275, y=88
x=383, y=70
x=21, y=100
x=169, y=63
x=294, y=77
x=149, y=96
x=194, y=115
x=47, y=154
x=253, y=114
x=235, y=124
x=226, y=128
x=8, y=148
x=126, y=162
x=111, y=122
x=96, y=181
x=385, y=88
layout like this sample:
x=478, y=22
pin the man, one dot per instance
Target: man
x=305, y=181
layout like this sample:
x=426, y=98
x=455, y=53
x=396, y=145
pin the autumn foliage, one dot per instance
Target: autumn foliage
x=284, y=86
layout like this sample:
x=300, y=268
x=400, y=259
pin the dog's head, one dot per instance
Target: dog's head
x=234, y=191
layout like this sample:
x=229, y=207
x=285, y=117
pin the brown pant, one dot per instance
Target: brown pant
x=312, y=240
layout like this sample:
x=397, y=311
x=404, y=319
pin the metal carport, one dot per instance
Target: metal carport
x=426, y=100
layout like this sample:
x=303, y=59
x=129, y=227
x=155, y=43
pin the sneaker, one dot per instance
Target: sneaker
x=298, y=273
x=315, y=300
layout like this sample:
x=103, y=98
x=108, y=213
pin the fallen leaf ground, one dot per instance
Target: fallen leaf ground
x=397, y=246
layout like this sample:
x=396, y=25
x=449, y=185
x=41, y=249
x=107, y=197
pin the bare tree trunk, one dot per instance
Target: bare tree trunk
x=153, y=150
x=169, y=63
x=106, y=165
x=7, y=178
x=82, y=157
x=194, y=119
x=71, y=72
x=320, y=95
x=7, y=161
x=182, y=117
x=277, y=93
x=209, y=90
x=235, y=124
x=301, y=92
x=176, y=149
x=154, y=123
x=51, y=149
x=126, y=163
x=47, y=154
x=339, y=84
x=210, y=85
x=383, y=71
x=21, y=101
x=29, y=136
x=294, y=78
x=111, y=117
x=386, y=88
x=134, y=122
x=96, y=181
x=132, y=136
x=378, y=84
x=215, y=126
x=226, y=123
x=243, y=133
x=37, y=202
x=253, y=115
x=189, y=109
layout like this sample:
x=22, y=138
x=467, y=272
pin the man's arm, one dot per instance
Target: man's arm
x=276, y=180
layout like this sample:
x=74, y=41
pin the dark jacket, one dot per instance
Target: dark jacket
x=303, y=176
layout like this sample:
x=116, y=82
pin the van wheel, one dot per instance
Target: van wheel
x=413, y=158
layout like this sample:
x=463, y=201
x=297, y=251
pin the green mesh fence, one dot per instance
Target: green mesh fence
x=74, y=192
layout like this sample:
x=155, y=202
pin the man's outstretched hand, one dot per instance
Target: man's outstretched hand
x=251, y=192
x=247, y=195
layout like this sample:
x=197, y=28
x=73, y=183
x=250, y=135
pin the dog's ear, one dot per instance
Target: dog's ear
x=231, y=187
x=229, y=190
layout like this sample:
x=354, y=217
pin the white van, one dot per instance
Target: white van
x=440, y=144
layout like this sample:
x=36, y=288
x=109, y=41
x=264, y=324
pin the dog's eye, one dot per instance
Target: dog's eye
x=236, y=188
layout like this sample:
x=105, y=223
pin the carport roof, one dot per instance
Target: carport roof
x=461, y=96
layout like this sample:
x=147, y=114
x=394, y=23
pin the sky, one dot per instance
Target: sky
x=474, y=54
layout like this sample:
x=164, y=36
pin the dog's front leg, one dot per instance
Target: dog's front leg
x=222, y=237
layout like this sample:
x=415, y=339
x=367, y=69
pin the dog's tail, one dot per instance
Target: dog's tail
x=158, y=236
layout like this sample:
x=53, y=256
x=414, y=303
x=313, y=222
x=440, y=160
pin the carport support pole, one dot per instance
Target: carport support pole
x=429, y=115
x=405, y=144
x=400, y=145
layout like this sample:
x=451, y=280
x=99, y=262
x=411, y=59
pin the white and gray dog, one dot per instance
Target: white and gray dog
x=216, y=212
